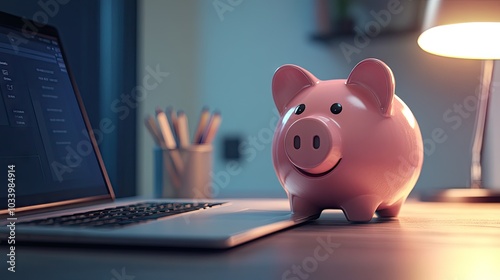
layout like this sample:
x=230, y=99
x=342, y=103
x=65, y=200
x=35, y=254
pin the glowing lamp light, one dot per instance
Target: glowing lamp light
x=470, y=40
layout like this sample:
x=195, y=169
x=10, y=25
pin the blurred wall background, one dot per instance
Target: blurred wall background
x=223, y=54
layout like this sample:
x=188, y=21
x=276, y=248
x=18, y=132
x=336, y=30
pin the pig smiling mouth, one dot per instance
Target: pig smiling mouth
x=319, y=174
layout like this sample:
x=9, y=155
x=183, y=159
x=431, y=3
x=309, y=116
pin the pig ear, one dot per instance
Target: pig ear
x=289, y=80
x=377, y=77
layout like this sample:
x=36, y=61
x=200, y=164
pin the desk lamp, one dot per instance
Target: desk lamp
x=468, y=30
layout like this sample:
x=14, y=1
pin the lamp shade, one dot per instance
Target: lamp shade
x=462, y=29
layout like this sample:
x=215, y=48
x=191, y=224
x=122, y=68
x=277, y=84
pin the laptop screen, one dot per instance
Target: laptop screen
x=44, y=141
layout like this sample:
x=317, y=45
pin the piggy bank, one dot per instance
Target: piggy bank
x=345, y=144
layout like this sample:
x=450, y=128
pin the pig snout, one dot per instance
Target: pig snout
x=314, y=145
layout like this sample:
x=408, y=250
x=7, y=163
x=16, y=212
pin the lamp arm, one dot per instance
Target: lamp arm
x=481, y=114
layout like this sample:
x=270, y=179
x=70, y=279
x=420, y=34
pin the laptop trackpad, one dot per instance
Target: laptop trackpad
x=231, y=222
x=244, y=217
x=255, y=215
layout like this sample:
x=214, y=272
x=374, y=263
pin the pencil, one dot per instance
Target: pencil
x=165, y=129
x=183, y=129
x=202, y=124
x=153, y=130
x=174, y=176
x=175, y=127
x=211, y=130
x=169, y=140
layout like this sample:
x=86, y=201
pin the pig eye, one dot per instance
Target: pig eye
x=300, y=109
x=336, y=108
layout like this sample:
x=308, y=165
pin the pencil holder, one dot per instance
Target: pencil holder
x=184, y=173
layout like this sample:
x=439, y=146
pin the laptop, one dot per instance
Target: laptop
x=57, y=186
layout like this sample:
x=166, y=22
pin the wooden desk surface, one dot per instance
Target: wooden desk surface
x=428, y=241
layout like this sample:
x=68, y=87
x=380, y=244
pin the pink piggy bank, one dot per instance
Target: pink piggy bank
x=345, y=144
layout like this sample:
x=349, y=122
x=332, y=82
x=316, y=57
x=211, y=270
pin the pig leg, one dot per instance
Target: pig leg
x=302, y=208
x=391, y=211
x=361, y=208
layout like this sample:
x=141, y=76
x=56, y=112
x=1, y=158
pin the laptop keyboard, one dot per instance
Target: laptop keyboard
x=123, y=215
